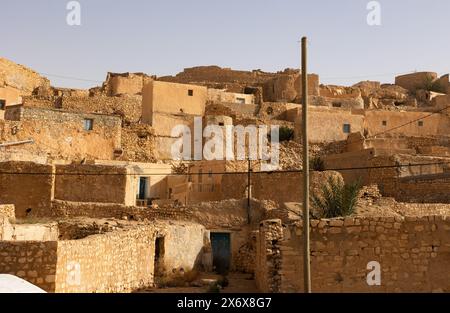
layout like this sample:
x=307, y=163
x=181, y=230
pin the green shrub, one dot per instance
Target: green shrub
x=336, y=198
x=317, y=164
x=430, y=84
x=214, y=288
x=286, y=133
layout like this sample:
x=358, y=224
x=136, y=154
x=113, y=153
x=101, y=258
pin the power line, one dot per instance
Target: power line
x=368, y=75
x=71, y=78
x=400, y=126
x=413, y=121
x=409, y=165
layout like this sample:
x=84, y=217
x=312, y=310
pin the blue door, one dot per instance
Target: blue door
x=142, y=187
x=221, y=250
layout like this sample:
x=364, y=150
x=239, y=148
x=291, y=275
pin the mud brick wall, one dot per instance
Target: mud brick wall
x=413, y=252
x=27, y=185
x=83, y=183
x=278, y=187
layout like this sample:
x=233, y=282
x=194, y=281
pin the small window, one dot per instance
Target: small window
x=221, y=124
x=190, y=92
x=384, y=123
x=88, y=124
x=337, y=105
x=347, y=128
x=2, y=104
x=240, y=100
x=420, y=123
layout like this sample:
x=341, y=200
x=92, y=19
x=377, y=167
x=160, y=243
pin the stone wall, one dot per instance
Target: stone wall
x=16, y=258
x=111, y=262
x=61, y=134
x=424, y=188
x=105, y=210
x=413, y=252
x=119, y=260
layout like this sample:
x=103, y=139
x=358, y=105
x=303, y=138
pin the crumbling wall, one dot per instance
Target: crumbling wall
x=220, y=78
x=287, y=88
x=415, y=81
x=124, y=83
x=110, y=210
x=20, y=77
x=413, y=254
x=61, y=134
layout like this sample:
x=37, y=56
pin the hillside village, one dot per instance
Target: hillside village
x=92, y=200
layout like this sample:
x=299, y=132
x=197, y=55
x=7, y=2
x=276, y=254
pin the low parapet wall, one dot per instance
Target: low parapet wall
x=413, y=254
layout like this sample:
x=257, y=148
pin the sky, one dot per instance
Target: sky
x=162, y=37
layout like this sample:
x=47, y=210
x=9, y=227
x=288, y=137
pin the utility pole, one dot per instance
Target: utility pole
x=306, y=249
x=248, y=189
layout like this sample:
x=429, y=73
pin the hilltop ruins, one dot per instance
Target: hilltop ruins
x=91, y=199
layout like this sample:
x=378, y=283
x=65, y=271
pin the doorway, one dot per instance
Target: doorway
x=221, y=250
x=142, y=191
x=159, y=256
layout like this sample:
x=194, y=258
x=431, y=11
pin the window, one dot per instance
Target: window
x=88, y=124
x=384, y=123
x=240, y=100
x=221, y=124
x=337, y=105
x=347, y=128
x=190, y=92
x=2, y=104
x=420, y=123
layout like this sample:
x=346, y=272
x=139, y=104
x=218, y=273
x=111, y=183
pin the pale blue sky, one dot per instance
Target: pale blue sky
x=162, y=37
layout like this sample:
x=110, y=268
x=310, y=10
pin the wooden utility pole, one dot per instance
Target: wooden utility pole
x=306, y=249
x=249, y=181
